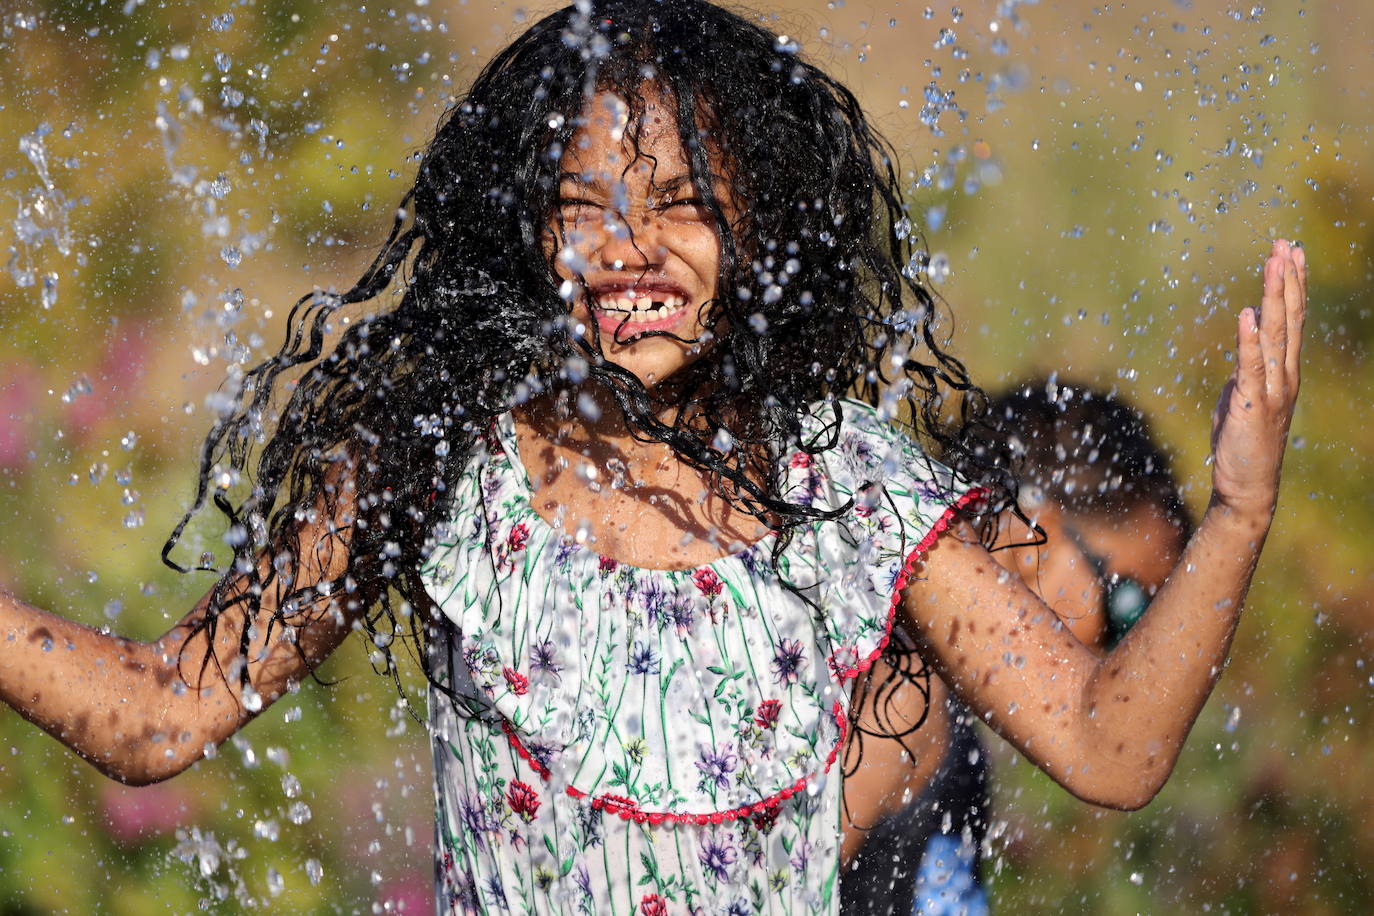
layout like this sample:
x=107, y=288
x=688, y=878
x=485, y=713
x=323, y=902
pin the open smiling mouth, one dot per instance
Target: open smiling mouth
x=638, y=310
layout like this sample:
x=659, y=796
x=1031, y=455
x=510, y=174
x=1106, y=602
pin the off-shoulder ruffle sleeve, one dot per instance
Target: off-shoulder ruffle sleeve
x=901, y=502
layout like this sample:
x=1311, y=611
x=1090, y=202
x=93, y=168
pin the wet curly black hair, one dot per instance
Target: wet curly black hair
x=821, y=299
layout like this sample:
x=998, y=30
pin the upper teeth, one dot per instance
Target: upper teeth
x=658, y=306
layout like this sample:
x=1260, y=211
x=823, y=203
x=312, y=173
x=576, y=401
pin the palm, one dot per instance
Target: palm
x=1250, y=425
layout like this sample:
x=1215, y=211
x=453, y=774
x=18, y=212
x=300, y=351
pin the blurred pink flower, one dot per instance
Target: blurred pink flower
x=411, y=894
x=133, y=815
x=121, y=369
x=19, y=387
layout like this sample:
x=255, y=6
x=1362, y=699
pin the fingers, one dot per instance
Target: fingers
x=1273, y=320
x=1283, y=311
x=1250, y=383
x=1295, y=307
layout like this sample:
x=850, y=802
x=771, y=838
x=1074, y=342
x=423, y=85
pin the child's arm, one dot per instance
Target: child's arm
x=125, y=705
x=1110, y=729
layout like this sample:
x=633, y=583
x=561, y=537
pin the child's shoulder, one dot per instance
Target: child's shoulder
x=860, y=446
x=849, y=424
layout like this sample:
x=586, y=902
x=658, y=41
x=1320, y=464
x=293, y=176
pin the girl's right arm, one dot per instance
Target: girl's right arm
x=142, y=712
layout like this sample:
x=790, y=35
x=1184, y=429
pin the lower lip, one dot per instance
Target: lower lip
x=613, y=323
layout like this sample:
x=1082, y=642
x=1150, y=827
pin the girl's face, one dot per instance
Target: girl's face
x=635, y=238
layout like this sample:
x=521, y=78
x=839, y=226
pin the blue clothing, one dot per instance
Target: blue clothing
x=924, y=859
x=947, y=883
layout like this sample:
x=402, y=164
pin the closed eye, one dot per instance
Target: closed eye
x=692, y=209
x=578, y=209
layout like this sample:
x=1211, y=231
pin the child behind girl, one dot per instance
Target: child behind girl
x=1114, y=525
x=636, y=454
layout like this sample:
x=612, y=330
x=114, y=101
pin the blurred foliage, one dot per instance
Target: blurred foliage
x=1102, y=186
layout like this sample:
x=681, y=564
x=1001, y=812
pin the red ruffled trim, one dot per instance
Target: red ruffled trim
x=973, y=495
x=629, y=809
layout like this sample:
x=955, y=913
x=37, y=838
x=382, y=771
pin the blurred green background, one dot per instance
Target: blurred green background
x=1101, y=180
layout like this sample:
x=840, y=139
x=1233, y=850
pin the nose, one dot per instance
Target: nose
x=631, y=243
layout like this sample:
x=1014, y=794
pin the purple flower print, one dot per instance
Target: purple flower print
x=496, y=892
x=462, y=893
x=477, y=821
x=541, y=752
x=858, y=453
x=653, y=598
x=643, y=659
x=716, y=765
x=890, y=576
x=717, y=857
x=931, y=491
x=801, y=857
x=787, y=662
x=739, y=907
x=681, y=614
x=544, y=659
x=584, y=884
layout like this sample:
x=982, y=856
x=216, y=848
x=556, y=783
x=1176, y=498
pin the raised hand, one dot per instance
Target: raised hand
x=1250, y=424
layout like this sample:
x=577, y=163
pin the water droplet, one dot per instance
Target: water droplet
x=935, y=217
x=128, y=441
x=82, y=386
x=939, y=268
x=48, y=294
x=231, y=255
x=134, y=519
x=314, y=870
x=587, y=406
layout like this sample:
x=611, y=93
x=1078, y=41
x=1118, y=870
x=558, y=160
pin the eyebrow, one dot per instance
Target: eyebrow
x=585, y=180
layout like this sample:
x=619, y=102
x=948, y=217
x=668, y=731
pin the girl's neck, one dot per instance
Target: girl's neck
x=588, y=417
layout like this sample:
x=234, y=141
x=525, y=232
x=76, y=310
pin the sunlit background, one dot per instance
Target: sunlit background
x=1097, y=182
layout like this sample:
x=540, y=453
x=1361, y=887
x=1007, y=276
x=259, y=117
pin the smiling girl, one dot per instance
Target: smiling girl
x=638, y=455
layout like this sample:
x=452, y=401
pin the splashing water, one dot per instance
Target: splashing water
x=41, y=221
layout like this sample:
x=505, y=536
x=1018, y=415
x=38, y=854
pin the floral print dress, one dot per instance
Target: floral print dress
x=642, y=741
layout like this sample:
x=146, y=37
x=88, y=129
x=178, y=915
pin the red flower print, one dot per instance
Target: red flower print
x=523, y=800
x=765, y=819
x=519, y=684
x=707, y=581
x=653, y=905
x=801, y=460
x=518, y=537
x=608, y=564
x=766, y=713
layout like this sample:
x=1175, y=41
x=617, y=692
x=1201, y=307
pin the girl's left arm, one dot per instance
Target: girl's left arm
x=1109, y=729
